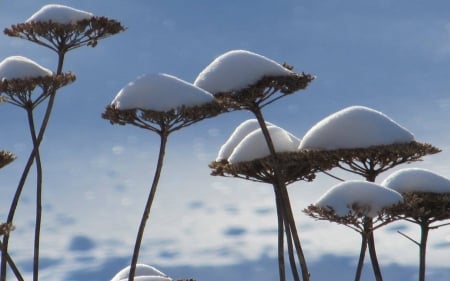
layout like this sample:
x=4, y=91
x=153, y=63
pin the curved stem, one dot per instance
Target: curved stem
x=281, y=265
x=38, y=214
x=287, y=211
x=28, y=165
x=424, y=228
x=291, y=253
x=11, y=263
x=295, y=236
x=362, y=254
x=372, y=251
x=164, y=135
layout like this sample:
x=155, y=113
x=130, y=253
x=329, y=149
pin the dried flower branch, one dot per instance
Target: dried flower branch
x=6, y=157
x=356, y=220
x=163, y=123
x=264, y=91
x=20, y=92
x=423, y=209
x=65, y=37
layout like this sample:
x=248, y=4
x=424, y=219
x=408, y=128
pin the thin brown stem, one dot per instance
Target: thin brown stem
x=287, y=211
x=372, y=251
x=362, y=254
x=11, y=263
x=28, y=166
x=281, y=264
x=424, y=229
x=146, y=214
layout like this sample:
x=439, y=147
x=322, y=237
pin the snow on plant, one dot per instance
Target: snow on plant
x=355, y=127
x=427, y=201
x=26, y=84
x=369, y=197
x=143, y=273
x=160, y=92
x=366, y=142
x=236, y=137
x=163, y=104
x=254, y=146
x=59, y=14
x=222, y=76
x=244, y=80
x=356, y=204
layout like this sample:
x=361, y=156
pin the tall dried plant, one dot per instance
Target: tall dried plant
x=60, y=38
x=162, y=123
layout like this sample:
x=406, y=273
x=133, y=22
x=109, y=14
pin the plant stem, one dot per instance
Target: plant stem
x=372, y=251
x=164, y=135
x=38, y=214
x=281, y=265
x=362, y=255
x=28, y=165
x=424, y=229
x=281, y=185
x=11, y=263
x=291, y=253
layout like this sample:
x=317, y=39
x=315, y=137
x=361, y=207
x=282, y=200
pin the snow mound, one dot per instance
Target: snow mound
x=236, y=70
x=160, y=92
x=59, y=14
x=143, y=273
x=417, y=180
x=236, y=137
x=254, y=145
x=355, y=127
x=365, y=194
x=18, y=67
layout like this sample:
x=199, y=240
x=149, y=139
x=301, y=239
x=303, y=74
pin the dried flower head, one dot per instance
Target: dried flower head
x=293, y=166
x=20, y=91
x=370, y=162
x=6, y=157
x=355, y=219
x=64, y=37
x=421, y=207
x=167, y=121
x=265, y=90
x=6, y=228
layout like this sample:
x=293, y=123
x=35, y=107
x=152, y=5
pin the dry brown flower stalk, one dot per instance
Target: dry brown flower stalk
x=20, y=91
x=60, y=38
x=163, y=123
x=172, y=120
x=294, y=166
x=52, y=35
x=423, y=209
x=6, y=228
x=261, y=92
x=253, y=98
x=372, y=161
x=356, y=220
x=6, y=157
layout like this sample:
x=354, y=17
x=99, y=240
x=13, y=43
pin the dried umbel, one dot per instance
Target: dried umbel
x=20, y=92
x=370, y=162
x=293, y=166
x=6, y=157
x=6, y=228
x=355, y=219
x=171, y=120
x=423, y=207
x=265, y=90
x=64, y=37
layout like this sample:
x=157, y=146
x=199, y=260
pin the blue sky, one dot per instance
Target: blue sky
x=393, y=56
